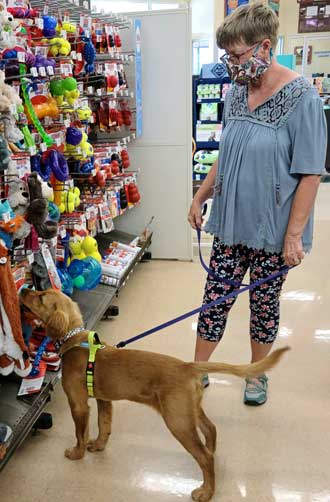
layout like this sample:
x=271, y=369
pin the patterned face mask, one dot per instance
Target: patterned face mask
x=250, y=71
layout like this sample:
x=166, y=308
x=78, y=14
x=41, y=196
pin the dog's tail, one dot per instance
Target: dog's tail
x=244, y=370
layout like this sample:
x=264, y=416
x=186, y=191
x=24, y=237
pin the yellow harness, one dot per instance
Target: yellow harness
x=94, y=345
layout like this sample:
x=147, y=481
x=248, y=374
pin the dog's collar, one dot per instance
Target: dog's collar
x=59, y=343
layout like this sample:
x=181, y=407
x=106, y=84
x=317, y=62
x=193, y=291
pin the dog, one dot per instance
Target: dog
x=170, y=386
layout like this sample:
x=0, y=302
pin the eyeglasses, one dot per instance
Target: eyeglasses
x=235, y=58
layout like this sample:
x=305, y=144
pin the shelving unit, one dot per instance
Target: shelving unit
x=211, y=80
x=22, y=413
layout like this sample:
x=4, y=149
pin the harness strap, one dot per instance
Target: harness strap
x=94, y=345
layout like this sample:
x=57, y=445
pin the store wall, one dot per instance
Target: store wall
x=163, y=153
x=289, y=16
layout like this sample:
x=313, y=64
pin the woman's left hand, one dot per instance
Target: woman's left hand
x=293, y=250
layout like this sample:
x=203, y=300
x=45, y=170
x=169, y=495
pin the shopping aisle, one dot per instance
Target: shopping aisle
x=276, y=453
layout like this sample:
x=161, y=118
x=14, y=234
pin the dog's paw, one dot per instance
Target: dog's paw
x=74, y=453
x=96, y=445
x=201, y=495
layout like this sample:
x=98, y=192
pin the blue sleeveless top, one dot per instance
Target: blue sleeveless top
x=263, y=155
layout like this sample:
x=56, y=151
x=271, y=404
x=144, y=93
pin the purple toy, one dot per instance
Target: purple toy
x=73, y=136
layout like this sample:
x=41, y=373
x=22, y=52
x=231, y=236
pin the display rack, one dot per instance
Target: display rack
x=211, y=75
x=22, y=413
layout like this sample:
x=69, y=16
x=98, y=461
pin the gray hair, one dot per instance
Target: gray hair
x=249, y=24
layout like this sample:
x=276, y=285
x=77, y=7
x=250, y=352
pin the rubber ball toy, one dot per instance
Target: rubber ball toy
x=86, y=274
x=50, y=23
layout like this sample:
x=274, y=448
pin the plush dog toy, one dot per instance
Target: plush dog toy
x=37, y=211
x=18, y=198
x=13, y=351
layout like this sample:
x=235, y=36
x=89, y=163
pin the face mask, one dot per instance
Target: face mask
x=250, y=71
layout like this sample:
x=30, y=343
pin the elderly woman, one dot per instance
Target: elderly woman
x=272, y=153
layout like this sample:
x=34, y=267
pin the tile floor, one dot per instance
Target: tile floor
x=276, y=453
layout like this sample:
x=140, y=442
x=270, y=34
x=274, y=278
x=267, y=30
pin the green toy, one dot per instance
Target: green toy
x=36, y=122
x=206, y=157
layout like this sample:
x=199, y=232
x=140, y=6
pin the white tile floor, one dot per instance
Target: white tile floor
x=276, y=453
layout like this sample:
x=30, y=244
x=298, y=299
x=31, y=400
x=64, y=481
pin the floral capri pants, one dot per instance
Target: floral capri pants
x=232, y=262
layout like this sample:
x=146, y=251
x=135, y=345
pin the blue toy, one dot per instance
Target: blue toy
x=66, y=280
x=50, y=23
x=89, y=54
x=54, y=212
x=86, y=274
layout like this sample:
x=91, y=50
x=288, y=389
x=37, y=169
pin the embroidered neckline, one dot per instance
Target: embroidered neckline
x=275, y=110
x=273, y=96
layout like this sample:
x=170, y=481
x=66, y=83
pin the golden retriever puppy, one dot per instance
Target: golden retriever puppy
x=169, y=385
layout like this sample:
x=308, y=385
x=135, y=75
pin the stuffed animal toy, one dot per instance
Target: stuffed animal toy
x=8, y=24
x=9, y=223
x=13, y=351
x=12, y=133
x=37, y=211
x=40, y=275
x=90, y=248
x=4, y=153
x=8, y=96
x=18, y=198
x=76, y=249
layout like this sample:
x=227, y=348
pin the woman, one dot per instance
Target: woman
x=272, y=153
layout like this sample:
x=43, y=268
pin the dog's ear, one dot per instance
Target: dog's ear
x=57, y=324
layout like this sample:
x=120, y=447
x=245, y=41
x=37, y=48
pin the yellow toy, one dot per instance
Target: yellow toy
x=59, y=47
x=66, y=26
x=84, y=113
x=70, y=200
x=76, y=249
x=89, y=247
x=85, y=149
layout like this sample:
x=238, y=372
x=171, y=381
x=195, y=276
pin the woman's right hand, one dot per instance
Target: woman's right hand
x=195, y=215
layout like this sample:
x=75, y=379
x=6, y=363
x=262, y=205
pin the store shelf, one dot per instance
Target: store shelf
x=94, y=304
x=207, y=145
x=210, y=100
x=208, y=122
x=22, y=413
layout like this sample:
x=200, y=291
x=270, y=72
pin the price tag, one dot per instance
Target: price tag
x=86, y=5
x=33, y=150
x=58, y=141
x=64, y=34
x=6, y=217
x=74, y=54
x=71, y=183
x=30, y=258
x=50, y=70
x=43, y=147
x=13, y=109
x=87, y=33
x=21, y=56
x=42, y=71
x=79, y=56
x=99, y=92
x=62, y=231
x=67, y=123
x=46, y=10
x=93, y=173
x=39, y=23
x=34, y=71
x=78, y=150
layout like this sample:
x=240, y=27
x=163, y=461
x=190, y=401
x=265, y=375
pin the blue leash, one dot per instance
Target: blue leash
x=242, y=288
